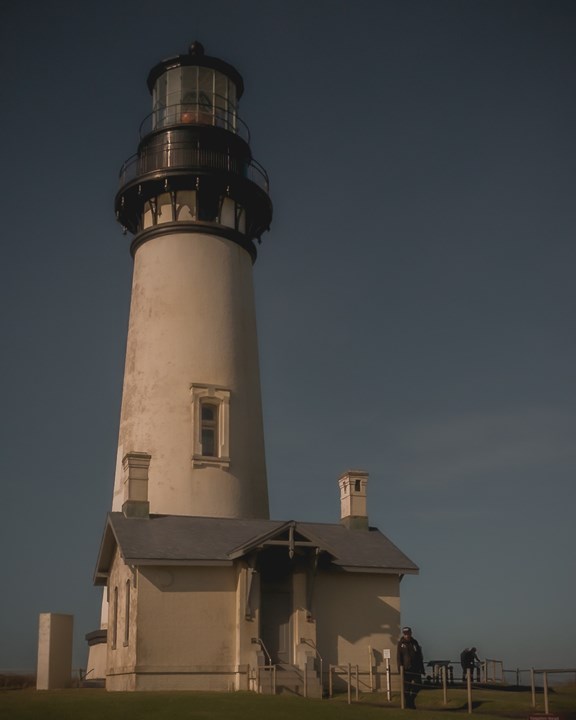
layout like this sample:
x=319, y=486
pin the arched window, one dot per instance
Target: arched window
x=114, y=618
x=127, y=614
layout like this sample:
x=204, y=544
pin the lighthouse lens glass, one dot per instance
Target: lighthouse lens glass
x=194, y=95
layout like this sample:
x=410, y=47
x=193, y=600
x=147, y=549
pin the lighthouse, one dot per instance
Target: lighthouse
x=202, y=590
x=195, y=201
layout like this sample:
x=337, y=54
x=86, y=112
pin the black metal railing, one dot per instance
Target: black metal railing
x=183, y=156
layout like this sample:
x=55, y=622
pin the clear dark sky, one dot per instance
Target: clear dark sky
x=415, y=295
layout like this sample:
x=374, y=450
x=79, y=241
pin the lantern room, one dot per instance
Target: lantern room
x=194, y=163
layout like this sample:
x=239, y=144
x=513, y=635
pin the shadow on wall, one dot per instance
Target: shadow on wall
x=355, y=611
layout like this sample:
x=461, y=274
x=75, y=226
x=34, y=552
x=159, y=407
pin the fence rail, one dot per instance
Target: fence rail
x=351, y=674
x=545, y=674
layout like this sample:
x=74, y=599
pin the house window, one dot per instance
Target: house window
x=210, y=425
x=114, y=618
x=127, y=614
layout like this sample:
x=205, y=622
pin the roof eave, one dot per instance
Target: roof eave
x=108, y=545
x=184, y=562
x=379, y=570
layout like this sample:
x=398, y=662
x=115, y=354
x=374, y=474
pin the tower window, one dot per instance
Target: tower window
x=357, y=485
x=209, y=430
x=210, y=425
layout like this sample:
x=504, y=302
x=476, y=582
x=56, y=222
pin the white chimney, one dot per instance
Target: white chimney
x=353, y=513
x=135, y=470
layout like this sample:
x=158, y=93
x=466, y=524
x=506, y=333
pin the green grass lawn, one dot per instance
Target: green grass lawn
x=89, y=704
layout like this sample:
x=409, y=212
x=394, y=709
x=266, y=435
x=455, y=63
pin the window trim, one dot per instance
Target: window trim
x=220, y=398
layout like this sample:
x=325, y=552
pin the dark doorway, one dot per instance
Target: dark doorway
x=276, y=603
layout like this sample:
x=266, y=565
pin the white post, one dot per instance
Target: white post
x=349, y=683
x=388, y=681
x=55, y=636
x=370, y=666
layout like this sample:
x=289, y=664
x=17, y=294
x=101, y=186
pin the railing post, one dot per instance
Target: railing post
x=469, y=689
x=357, y=683
x=546, y=692
x=330, y=680
x=444, y=688
x=402, y=698
x=349, y=683
x=370, y=666
x=533, y=685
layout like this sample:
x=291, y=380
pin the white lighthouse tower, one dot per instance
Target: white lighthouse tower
x=191, y=440
x=195, y=201
x=202, y=590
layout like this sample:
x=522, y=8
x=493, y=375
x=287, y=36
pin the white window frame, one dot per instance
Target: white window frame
x=220, y=397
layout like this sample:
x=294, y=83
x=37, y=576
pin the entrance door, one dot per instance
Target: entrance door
x=276, y=609
x=276, y=603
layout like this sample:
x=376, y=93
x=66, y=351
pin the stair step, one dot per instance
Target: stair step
x=290, y=680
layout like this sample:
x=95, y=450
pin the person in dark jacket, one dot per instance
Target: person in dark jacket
x=469, y=660
x=409, y=657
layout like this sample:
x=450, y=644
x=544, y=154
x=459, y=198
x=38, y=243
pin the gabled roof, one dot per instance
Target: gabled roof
x=184, y=540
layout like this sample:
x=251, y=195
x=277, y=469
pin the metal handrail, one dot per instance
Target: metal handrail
x=260, y=642
x=270, y=666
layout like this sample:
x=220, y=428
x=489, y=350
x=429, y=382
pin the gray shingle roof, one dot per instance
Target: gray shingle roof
x=172, y=539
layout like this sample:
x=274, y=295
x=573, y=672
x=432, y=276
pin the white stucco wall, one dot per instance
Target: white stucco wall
x=189, y=616
x=183, y=629
x=355, y=612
